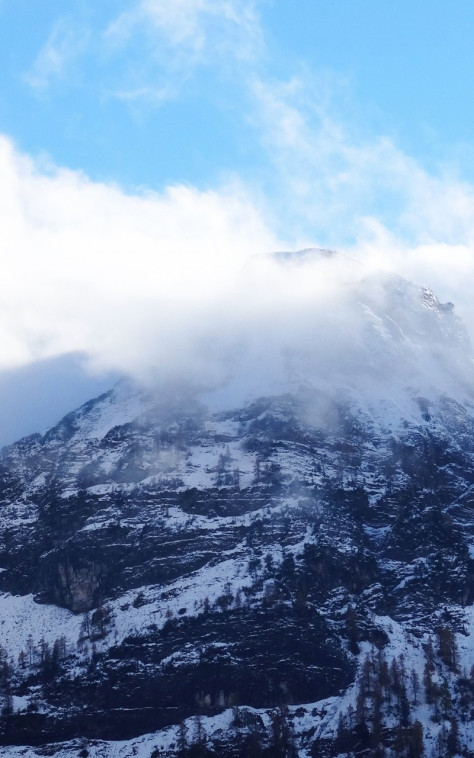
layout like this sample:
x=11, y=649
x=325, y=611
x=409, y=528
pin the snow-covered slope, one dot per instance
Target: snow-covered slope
x=236, y=571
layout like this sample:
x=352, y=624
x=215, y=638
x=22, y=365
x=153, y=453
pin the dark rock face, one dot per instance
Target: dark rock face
x=72, y=580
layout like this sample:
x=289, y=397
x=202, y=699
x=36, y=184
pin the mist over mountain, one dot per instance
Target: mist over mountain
x=331, y=323
x=264, y=545
x=236, y=379
x=34, y=396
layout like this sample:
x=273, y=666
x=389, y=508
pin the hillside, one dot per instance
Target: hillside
x=234, y=572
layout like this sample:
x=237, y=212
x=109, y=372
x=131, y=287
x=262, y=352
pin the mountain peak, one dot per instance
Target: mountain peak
x=272, y=571
x=306, y=255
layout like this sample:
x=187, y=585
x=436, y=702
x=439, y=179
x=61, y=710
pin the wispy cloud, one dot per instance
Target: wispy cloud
x=335, y=185
x=180, y=37
x=65, y=43
x=199, y=27
x=337, y=181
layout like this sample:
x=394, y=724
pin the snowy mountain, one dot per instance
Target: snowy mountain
x=279, y=565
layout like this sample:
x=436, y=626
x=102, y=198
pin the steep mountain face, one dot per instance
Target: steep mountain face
x=244, y=573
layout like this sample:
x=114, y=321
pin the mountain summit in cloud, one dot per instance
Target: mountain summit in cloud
x=259, y=541
x=331, y=325
x=274, y=564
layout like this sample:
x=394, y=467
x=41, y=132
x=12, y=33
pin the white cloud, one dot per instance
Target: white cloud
x=174, y=284
x=89, y=268
x=363, y=194
x=137, y=281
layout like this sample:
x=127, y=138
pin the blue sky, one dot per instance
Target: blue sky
x=143, y=107
x=150, y=148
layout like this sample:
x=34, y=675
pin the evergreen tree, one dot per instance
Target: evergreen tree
x=366, y=677
x=395, y=680
x=100, y=621
x=416, y=748
x=7, y=708
x=404, y=707
x=448, y=647
x=182, y=737
x=440, y=746
x=361, y=708
x=415, y=685
x=428, y=684
x=30, y=650
x=282, y=739
x=429, y=653
x=236, y=478
x=350, y=719
x=399, y=743
x=445, y=699
x=22, y=659
x=200, y=735
x=377, y=720
x=43, y=650
x=453, y=745
x=352, y=630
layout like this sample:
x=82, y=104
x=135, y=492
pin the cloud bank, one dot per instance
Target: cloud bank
x=177, y=283
x=89, y=268
x=178, y=286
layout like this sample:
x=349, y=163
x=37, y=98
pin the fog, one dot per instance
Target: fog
x=33, y=397
x=185, y=287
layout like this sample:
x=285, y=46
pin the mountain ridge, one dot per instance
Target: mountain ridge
x=240, y=580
